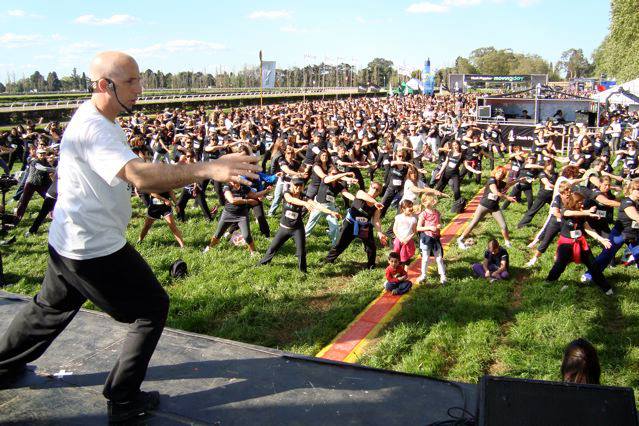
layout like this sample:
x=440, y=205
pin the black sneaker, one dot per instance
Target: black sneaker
x=139, y=406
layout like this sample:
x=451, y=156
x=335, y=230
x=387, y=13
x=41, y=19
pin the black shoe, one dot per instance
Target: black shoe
x=139, y=406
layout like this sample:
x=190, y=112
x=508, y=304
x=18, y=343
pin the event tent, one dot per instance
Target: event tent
x=625, y=94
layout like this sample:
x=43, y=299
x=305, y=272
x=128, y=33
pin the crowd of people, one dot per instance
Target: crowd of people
x=352, y=161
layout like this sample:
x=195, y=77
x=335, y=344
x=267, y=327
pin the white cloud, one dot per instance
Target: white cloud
x=526, y=3
x=113, y=20
x=457, y=3
x=270, y=14
x=57, y=37
x=162, y=49
x=360, y=20
x=16, y=13
x=15, y=41
x=79, y=48
x=426, y=7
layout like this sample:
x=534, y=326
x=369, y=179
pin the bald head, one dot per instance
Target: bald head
x=112, y=65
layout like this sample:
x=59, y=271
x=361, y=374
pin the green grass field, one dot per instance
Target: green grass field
x=461, y=331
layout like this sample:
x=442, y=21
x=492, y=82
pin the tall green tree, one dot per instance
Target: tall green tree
x=617, y=55
x=575, y=64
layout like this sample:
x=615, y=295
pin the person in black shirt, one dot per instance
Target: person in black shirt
x=493, y=192
x=547, y=178
x=396, y=178
x=38, y=180
x=449, y=171
x=495, y=264
x=363, y=215
x=239, y=199
x=296, y=204
x=159, y=207
x=572, y=245
x=526, y=175
x=625, y=230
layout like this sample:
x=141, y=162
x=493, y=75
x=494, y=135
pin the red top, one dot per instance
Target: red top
x=431, y=218
x=392, y=274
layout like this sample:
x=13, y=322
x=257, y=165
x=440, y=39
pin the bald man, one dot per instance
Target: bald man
x=89, y=257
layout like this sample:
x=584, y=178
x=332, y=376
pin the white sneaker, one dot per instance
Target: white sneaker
x=507, y=244
x=206, y=249
x=27, y=234
x=585, y=278
x=443, y=280
x=420, y=279
x=461, y=245
x=564, y=288
x=610, y=292
x=532, y=262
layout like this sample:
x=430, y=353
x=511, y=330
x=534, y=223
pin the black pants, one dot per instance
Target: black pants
x=260, y=216
x=516, y=192
x=47, y=207
x=564, y=257
x=231, y=221
x=283, y=235
x=344, y=240
x=453, y=178
x=391, y=193
x=121, y=284
x=200, y=200
x=548, y=234
x=543, y=197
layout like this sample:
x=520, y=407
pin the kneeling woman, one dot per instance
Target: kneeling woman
x=159, y=207
x=292, y=225
x=494, y=191
x=572, y=245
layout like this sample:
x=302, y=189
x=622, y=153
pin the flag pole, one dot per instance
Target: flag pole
x=261, y=79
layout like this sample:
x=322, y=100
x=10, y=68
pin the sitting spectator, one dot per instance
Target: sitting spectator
x=495, y=264
x=581, y=363
x=396, y=278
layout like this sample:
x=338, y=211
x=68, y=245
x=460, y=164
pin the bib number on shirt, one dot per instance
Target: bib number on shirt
x=601, y=213
x=330, y=198
x=515, y=168
x=397, y=182
x=291, y=214
x=575, y=234
x=361, y=219
x=493, y=197
x=634, y=225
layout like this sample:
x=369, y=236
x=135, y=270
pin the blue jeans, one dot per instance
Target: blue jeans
x=333, y=224
x=617, y=241
x=278, y=194
x=400, y=287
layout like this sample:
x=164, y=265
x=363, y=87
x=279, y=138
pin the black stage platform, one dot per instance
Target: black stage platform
x=205, y=380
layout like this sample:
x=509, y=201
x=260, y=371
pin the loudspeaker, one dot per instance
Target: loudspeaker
x=586, y=117
x=508, y=401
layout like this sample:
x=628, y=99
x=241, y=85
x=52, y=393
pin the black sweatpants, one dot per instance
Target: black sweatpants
x=47, y=207
x=392, y=192
x=284, y=234
x=454, y=184
x=200, y=200
x=548, y=234
x=543, y=197
x=121, y=284
x=564, y=257
x=260, y=216
x=516, y=192
x=344, y=240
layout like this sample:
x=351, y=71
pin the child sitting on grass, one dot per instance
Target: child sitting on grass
x=396, y=278
x=495, y=264
x=429, y=224
x=404, y=230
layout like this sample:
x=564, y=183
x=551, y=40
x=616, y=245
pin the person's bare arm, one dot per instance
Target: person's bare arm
x=160, y=177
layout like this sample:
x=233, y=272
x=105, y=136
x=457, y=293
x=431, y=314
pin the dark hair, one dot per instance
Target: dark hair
x=580, y=363
x=405, y=203
x=493, y=243
x=393, y=255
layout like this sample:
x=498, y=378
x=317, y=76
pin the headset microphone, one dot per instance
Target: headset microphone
x=111, y=86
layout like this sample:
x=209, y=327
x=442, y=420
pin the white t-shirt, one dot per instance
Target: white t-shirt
x=409, y=194
x=94, y=205
x=404, y=226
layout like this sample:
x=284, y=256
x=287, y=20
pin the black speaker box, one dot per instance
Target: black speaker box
x=509, y=401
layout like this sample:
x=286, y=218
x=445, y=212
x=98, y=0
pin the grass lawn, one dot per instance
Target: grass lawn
x=461, y=331
x=517, y=327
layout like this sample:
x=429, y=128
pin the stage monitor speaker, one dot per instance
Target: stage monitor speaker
x=586, y=117
x=484, y=111
x=508, y=401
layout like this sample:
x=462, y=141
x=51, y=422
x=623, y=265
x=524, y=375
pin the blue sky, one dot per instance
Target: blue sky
x=213, y=35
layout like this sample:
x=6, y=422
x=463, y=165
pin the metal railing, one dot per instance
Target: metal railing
x=74, y=103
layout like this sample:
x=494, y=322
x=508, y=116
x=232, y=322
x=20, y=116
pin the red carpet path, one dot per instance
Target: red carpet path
x=381, y=310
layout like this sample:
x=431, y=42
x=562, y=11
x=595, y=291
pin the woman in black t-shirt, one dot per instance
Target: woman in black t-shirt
x=493, y=192
x=572, y=245
x=547, y=179
x=295, y=205
x=449, y=171
x=159, y=207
